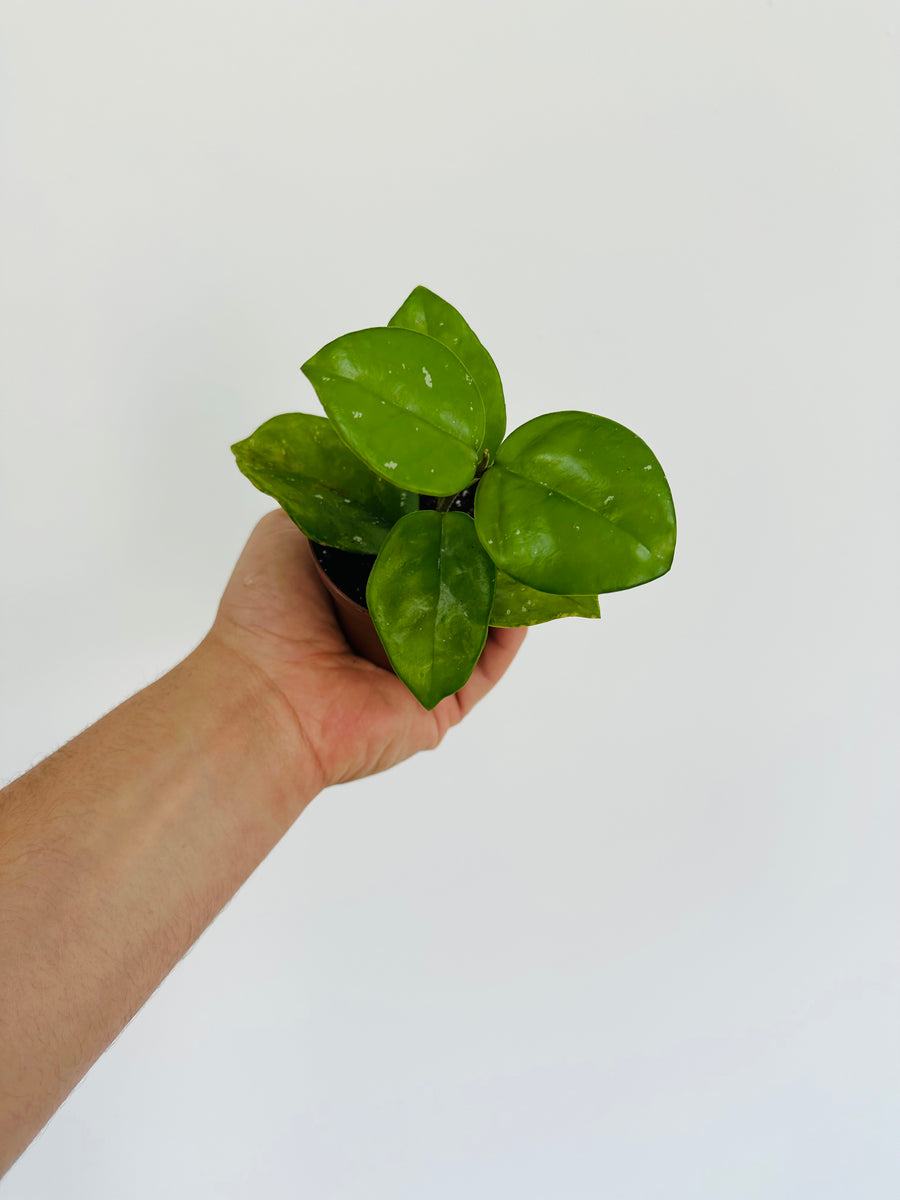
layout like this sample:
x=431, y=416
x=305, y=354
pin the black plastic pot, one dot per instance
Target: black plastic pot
x=345, y=577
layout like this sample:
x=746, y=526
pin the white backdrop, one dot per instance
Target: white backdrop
x=632, y=931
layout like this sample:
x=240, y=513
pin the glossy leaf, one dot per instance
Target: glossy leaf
x=426, y=312
x=430, y=595
x=405, y=404
x=327, y=491
x=576, y=504
x=516, y=604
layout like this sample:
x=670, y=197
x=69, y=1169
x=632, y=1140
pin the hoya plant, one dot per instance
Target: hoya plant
x=468, y=528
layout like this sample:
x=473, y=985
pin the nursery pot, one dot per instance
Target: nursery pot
x=345, y=576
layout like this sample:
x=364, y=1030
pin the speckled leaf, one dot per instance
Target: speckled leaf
x=576, y=504
x=405, y=404
x=426, y=312
x=300, y=461
x=430, y=595
x=516, y=604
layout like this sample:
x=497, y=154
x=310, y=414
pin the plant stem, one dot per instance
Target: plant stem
x=444, y=503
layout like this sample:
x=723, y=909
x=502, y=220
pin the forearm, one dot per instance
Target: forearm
x=117, y=851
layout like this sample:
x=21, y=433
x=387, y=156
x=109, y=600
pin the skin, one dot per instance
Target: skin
x=118, y=850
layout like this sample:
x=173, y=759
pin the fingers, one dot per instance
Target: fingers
x=275, y=586
x=276, y=590
x=501, y=648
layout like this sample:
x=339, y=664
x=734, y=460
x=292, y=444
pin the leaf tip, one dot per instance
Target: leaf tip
x=419, y=290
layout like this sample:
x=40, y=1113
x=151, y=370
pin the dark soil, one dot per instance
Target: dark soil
x=350, y=572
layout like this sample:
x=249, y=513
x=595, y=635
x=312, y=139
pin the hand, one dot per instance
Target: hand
x=356, y=718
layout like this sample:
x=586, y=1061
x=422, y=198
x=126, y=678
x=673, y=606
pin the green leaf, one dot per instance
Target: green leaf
x=576, y=504
x=516, y=604
x=427, y=313
x=324, y=488
x=405, y=404
x=430, y=595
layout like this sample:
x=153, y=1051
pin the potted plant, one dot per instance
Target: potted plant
x=412, y=496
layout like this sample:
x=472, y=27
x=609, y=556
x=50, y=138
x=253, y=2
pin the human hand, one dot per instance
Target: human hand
x=355, y=718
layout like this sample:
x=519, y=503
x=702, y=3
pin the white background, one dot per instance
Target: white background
x=632, y=931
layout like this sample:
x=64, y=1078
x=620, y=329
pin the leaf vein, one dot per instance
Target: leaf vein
x=580, y=503
x=302, y=481
x=413, y=416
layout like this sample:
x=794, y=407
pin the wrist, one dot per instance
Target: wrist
x=247, y=709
